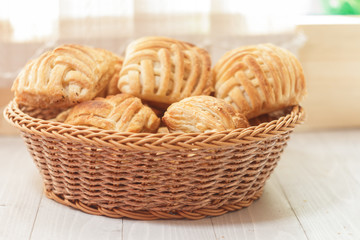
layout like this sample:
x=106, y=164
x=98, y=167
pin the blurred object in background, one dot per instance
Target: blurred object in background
x=341, y=7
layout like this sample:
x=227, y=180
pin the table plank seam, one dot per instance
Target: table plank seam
x=37, y=211
x=212, y=225
x=292, y=209
x=122, y=229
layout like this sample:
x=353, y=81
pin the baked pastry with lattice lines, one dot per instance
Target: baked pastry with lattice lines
x=259, y=79
x=65, y=76
x=203, y=114
x=164, y=70
x=121, y=112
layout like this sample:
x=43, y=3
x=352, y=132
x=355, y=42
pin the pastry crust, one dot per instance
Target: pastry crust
x=112, y=88
x=259, y=79
x=165, y=70
x=65, y=76
x=121, y=112
x=203, y=114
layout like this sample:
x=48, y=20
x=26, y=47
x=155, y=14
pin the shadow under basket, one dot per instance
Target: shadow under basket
x=153, y=176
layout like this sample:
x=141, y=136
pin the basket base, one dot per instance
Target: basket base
x=153, y=215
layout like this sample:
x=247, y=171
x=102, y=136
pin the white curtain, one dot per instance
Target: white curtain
x=28, y=28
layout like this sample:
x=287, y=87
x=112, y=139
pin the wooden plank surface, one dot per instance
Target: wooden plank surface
x=169, y=229
x=20, y=190
x=55, y=221
x=320, y=177
x=271, y=217
x=313, y=194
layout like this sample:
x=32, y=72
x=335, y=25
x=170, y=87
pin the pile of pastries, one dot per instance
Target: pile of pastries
x=161, y=85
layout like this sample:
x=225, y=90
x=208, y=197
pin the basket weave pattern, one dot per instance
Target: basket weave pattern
x=152, y=176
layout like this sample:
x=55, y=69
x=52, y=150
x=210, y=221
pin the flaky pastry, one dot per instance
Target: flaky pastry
x=165, y=70
x=121, y=112
x=203, y=114
x=65, y=76
x=259, y=79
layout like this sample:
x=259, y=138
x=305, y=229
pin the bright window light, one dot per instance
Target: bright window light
x=33, y=20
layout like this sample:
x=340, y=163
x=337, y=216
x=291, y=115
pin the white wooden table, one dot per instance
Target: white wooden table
x=314, y=193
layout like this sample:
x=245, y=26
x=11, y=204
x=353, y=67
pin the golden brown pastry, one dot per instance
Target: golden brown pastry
x=112, y=88
x=121, y=112
x=259, y=79
x=163, y=130
x=165, y=70
x=203, y=114
x=61, y=117
x=65, y=76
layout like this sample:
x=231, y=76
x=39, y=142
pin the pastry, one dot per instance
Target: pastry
x=62, y=116
x=112, y=88
x=259, y=79
x=164, y=70
x=121, y=112
x=65, y=76
x=163, y=130
x=203, y=114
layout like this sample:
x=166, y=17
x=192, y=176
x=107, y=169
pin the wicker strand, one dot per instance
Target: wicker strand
x=153, y=215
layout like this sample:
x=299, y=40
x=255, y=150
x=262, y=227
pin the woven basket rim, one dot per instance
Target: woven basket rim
x=151, y=141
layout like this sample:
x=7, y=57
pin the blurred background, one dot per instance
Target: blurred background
x=324, y=34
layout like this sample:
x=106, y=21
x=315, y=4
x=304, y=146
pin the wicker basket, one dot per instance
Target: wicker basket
x=151, y=176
